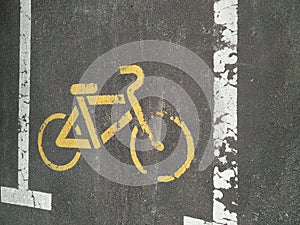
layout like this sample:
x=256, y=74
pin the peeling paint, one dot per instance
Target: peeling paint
x=225, y=113
x=221, y=214
x=225, y=175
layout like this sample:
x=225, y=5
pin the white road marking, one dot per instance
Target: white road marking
x=225, y=110
x=224, y=90
x=192, y=221
x=22, y=195
x=225, y=113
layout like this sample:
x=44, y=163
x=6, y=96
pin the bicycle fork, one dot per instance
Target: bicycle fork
x=134, y=69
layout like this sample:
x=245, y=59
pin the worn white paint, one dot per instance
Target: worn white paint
x=221, y=214
x=225, y=112
x=22, y=195
x=193, y=221
x=222, y=179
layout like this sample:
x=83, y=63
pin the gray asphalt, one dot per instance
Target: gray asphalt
x=68, y=36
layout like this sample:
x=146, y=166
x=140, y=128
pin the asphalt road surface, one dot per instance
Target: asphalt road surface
x=66, y=38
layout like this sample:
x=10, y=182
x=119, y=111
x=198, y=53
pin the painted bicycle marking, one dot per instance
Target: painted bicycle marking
x=84, y=94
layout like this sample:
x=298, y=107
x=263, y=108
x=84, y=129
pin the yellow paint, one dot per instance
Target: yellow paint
x=106, y=99
x=134, y=157
x=165, y=178
x=77, y=130
x=115, y=127
x=86, y=89
x=64, y=142
x=88, y=121
x=134, y=69
x=190, y=149
x=161, y=114
x=83, y=89
x=51, y=165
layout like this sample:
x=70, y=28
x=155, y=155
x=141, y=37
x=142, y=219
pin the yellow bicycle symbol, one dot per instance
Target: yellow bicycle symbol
x=84, y=95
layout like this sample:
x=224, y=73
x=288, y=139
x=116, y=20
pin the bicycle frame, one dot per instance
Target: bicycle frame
x=83, y=96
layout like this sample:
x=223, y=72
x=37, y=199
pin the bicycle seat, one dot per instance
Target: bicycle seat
x=83, y=89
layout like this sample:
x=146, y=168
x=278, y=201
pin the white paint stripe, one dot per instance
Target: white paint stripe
x=225, y=112
x=34, y=199
x=24, y=94
x=193, y=221
x=225, y=109
x=22, y=195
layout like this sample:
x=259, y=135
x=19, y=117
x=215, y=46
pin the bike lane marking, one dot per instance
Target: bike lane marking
x=225, y=90
x=225, y=115
x=22, y=195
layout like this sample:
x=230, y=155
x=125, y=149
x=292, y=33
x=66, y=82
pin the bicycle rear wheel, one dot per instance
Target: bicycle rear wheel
x=45, y=159
x=190, y=152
